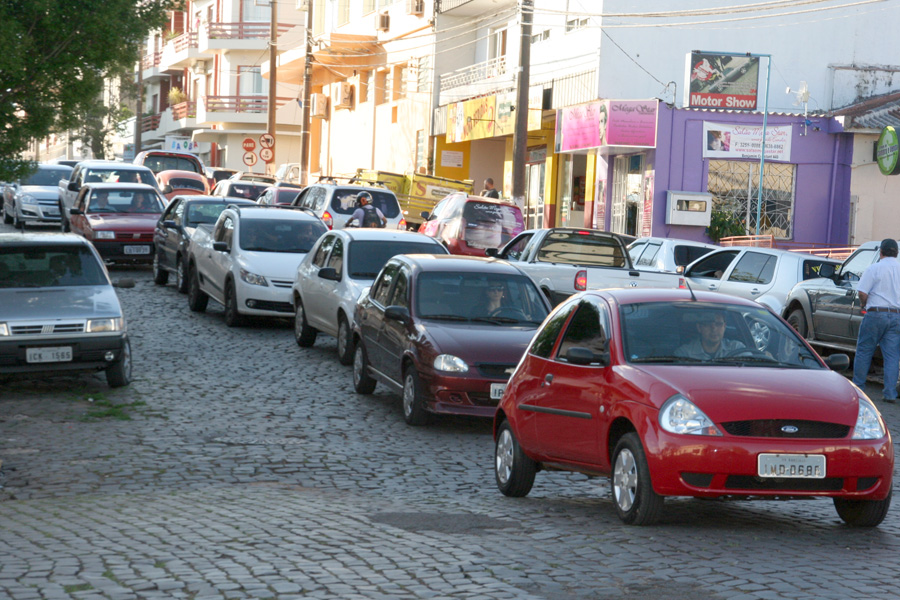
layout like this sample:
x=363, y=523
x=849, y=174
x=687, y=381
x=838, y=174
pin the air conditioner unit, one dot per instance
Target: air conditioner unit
x=345, y=95
x=318, y=106
x=199, y=68
x=382, y=21
x=415, y=7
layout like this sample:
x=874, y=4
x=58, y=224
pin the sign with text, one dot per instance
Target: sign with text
x=887, y=151
x=249, y=144
x=471, y=120
x=632, y=123
x=722, y=140
x=581, y=126
x=177, y=143
x=721, y=81
x=266, y=155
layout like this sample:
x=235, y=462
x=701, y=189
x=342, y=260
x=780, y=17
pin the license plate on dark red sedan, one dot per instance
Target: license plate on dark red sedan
x=497, y=390
x=137, y=249
x=798, y=466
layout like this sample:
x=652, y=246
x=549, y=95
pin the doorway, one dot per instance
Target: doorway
x=535, y=172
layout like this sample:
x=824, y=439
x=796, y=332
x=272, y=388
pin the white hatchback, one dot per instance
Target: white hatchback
x=339, y=267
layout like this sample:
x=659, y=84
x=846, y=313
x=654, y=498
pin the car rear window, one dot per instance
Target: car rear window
x=48, y=177
x=171, y=163
x=344, y=202
x=490, y=225
x=367, y=257
x=49, y=266
x=582, y=248
x=187, y=184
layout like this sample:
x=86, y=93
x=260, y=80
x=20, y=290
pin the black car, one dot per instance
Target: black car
x=175, y=228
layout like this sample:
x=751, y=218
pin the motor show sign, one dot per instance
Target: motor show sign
x=887, y=151
x=721, y=140
x=721, y=81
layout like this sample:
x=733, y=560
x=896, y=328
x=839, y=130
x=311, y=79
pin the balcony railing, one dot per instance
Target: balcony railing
x=242, y=104
x=184, y=110
x=184, y=41
x=151, y=60
x=441, y=6
x=473, y=73
x=150, y=123
x=243, y=31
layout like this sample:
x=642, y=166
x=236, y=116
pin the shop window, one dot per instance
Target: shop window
x=735, y=184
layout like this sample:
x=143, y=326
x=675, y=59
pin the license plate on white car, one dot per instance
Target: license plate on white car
x=137, y=249
x=497, y=390
x=799, y=466
x=49, y=355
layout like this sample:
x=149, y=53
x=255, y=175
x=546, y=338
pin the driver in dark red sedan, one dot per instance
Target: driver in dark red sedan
x=711, y=343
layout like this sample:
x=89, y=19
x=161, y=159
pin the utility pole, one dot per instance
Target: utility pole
x=273, y=80
x=139, y=118
x=520, y=135
x=307, y=83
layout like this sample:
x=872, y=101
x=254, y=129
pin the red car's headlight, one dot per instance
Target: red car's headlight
x=680, y=415
x=869, y=425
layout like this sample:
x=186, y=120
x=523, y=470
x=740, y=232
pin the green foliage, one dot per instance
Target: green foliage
x=176, y=96
x=56, y=56
x=724, y=224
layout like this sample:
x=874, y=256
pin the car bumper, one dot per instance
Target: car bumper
x=131, y=252
x=265, y=301
x=89, y=353
x=457, y=395
x=707, y=466
x=39, y=213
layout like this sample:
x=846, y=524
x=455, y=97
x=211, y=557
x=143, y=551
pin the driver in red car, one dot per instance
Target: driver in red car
x=711, y=343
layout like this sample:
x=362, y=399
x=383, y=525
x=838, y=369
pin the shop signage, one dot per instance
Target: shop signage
x=490, y=116
x=722, y=140
x=581, y=126
x=721, y=81
x=177, y=143
x=632, y=123
x=887, y=151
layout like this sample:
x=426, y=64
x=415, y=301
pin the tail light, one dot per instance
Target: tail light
x=581, y=281
x=401, y=224
x=326, y=218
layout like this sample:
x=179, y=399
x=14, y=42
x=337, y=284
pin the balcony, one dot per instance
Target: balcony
x=470, y=8
x=150, y=67
x=181, y=51
x=476, y=80
x=236, y=109
x=221, y=37
x=150, y=123
x=184, y=110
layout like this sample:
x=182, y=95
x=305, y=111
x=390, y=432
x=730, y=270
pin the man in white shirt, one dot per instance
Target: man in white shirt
x=879, y=296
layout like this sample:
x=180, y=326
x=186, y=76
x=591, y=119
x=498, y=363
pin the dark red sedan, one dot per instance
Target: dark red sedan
x=671, y=393
x=444, y=331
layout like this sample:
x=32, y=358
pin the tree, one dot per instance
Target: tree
x=56, y=56
x=95, y=122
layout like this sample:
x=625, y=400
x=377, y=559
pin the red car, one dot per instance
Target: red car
x=119, y=218
x=469, y=225
x=444, y=331
x=672, y=393
x=184, y=183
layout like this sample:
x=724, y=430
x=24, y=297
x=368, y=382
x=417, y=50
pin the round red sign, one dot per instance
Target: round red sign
x=249, y=145
x=266, y=154
x=249, y=159
x=266, y=140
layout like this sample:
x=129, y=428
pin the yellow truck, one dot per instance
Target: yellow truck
x=416, y=192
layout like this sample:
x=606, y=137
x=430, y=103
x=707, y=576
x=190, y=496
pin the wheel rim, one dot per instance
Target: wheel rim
x=504, y=458
x=625, y=480
x=409, y=394
x=358, y=365
x=343, y=330
x=298, y=322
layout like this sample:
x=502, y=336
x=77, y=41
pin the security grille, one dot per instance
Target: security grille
x=735, y=184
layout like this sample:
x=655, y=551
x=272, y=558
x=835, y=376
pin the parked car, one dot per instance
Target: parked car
x=236, y=188
x=68, y=162
x=248, y=259
x=175, y=229
x=335, y=203
x=666, y=254
x=170, y=160
x=34, y=199
x=608, y=388
x=182, y=182
x=217, y=174
x=762, y=274
x=59, y=312
x=253, y=177
x=279, y=193
x=340, y=266
x=119, y=219
x=98, y=171
x=826, y=310
x=470, y=225
x=445, y=332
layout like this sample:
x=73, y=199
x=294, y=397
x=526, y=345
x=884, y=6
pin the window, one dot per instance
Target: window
x=754, y=267
x=401, y=74
x=648, y=256
x=226, y=231
x=685, y=255
x=540, y=37
x=576, y=248
x=365, y=82
x=546, y=338
x=735, y=189
x=368, y=6
x=714, y=265
x=574, y=21
x=400, y=296
x=420, y=149
x=423, y=74
x=341, y=12
x=251, y=10
x=336, y=260
x=318, y=16
x=322, y=253
x=381, y=289
x=250, y=81
x=855, y=265
x=515, y=250
x=587, y=329
x=497, y=43
x=387, y=86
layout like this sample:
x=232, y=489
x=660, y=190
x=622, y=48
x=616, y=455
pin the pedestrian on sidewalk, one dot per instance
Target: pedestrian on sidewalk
x=489, y=190
x=879, y=297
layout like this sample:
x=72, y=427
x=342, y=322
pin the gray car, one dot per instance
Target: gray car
x=58, y=310
x=34, y=199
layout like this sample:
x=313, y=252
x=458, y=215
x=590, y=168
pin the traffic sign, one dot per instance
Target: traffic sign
x=267, y=140
x=249, y=159
x=249, y=145
x=266, y=154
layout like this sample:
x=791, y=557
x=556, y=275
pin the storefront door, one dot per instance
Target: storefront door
x=535, y=171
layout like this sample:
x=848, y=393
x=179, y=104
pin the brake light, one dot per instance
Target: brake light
x=583, y=232
x=326, y=218
x=581, y=281
x=401, y=224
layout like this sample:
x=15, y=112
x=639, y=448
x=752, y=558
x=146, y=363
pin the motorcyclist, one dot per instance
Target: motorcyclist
x=366, y=215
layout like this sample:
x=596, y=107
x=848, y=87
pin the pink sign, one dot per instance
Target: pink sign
x=632, y=123
x=578, y=127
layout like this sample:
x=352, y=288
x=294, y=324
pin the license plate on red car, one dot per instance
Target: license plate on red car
x=137, y=249
x=497, y=390
x=797, y=466
x=47, y=355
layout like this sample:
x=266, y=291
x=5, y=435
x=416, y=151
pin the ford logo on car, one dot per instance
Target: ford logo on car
x=790, y=429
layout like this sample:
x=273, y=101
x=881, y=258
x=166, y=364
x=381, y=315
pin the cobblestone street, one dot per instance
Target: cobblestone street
x=249, y=468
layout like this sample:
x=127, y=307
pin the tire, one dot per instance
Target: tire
x=363, y=383
x=63, y=223
x=6, y=217
x=636, y=502
x=414, y=412
x=197, y=298
x=233, y=318
x=344, y=341
x=119, y=374
x=303, y=333
x=513, y=470
x=797, y=320
x=862, y=513
x=181, y=282
x=17, y=222
x=160, y=276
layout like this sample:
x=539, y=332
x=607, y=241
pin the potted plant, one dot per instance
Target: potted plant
x=176, y=96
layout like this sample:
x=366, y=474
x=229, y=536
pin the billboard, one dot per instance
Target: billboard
x=726, y=140
x=607, y=123
x=721, y=81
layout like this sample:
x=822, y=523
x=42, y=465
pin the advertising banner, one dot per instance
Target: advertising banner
x=579, y=127
x=505, y=123
x=647, y=220
x=471, y=120
x=744, y=141
x=184, y=144
x=721, y=81
x=631, y=123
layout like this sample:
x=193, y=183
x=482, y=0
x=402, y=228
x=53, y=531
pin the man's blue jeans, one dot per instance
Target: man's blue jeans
x=879, y=329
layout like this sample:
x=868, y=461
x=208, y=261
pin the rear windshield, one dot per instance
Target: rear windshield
x=120, y=176
x=344, y=202
x=491, y=225
x=49, y=266
x=287, y=195
x=250, y=191
x=205, y=213
x=280, y=235
x=187, y=184
x=49, y=177
x=582, y=248
x=366, y=258
x=172, y=163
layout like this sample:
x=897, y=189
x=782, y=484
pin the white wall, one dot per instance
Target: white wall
x=876, y=215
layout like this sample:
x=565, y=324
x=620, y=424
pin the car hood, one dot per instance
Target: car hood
x=274, y=265
x=74, y=302
x=476, y=343
x=43, y=192
x=123, y=221
x=754, y=393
